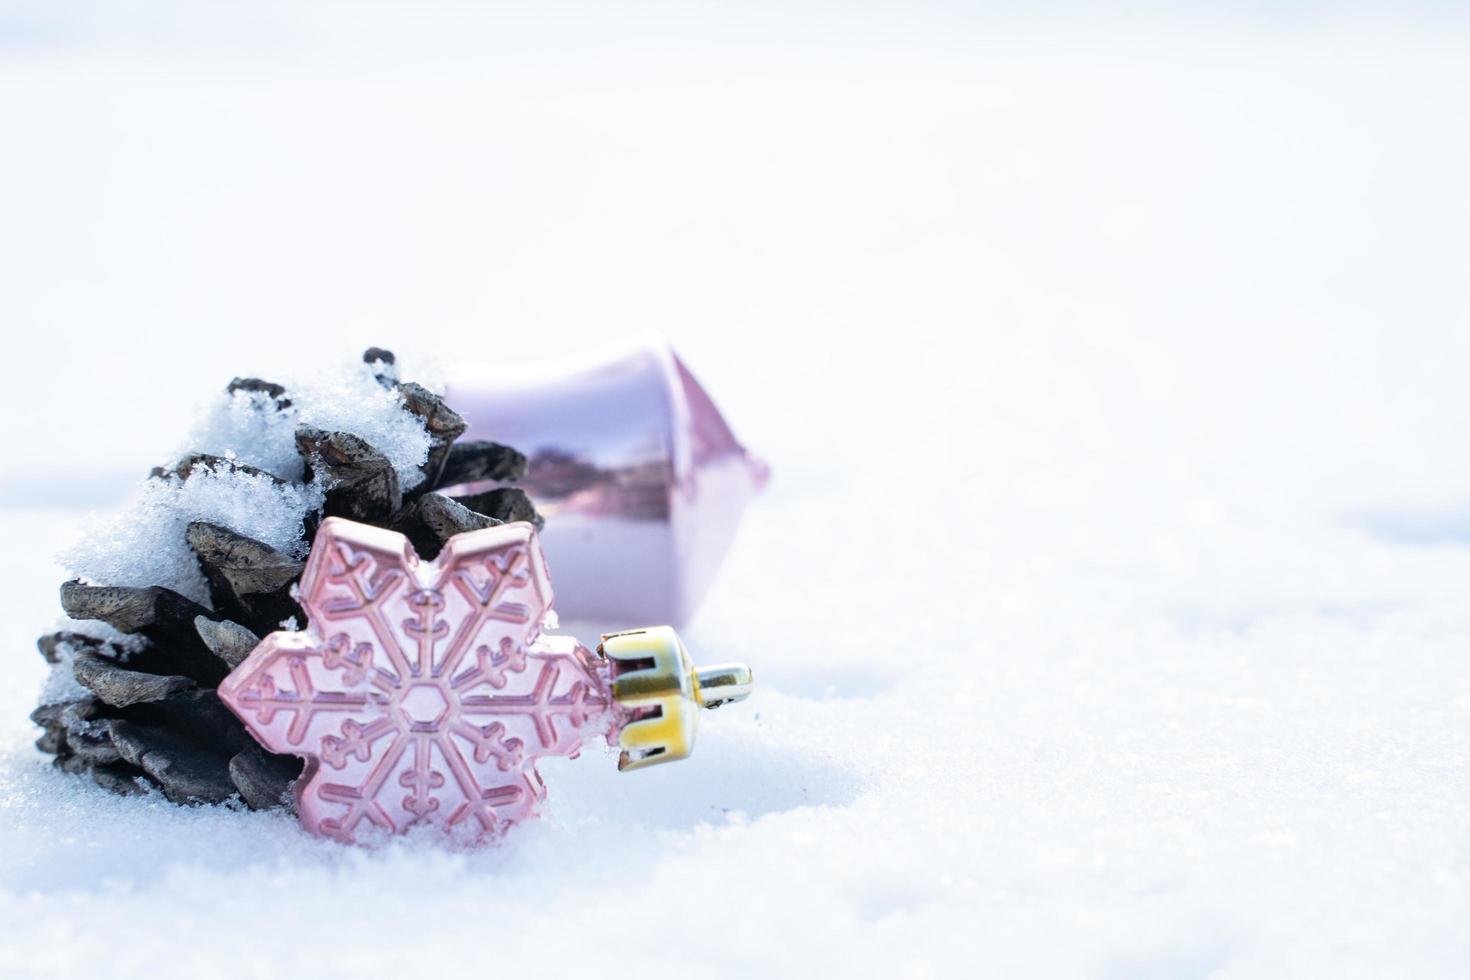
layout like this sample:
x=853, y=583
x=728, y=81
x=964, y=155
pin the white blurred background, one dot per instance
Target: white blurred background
x=189, y=191
x=1110, y=595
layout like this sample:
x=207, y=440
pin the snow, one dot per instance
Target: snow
x=335, y=397
x=1108, y=602
x=61, y=685
x=143, y=543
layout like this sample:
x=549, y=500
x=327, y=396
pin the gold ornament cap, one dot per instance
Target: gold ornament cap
x=655, y=681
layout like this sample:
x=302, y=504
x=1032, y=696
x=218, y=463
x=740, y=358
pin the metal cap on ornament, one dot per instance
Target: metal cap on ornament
x=654, y=680
x=640, y=479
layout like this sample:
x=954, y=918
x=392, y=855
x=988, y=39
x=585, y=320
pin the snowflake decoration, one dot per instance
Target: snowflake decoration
x=421, y=692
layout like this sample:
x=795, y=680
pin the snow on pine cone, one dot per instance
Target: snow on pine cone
x=132, y=695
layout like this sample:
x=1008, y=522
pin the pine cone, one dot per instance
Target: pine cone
x=145, y=712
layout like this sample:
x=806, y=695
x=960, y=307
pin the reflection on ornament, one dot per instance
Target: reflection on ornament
x=639, y=477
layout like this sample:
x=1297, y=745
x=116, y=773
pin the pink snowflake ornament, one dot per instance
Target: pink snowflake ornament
x=425, y=691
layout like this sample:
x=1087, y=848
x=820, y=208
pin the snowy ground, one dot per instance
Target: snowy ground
x=1111, y=601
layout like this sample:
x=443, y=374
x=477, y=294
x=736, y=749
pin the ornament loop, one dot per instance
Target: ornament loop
x=722, y=683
